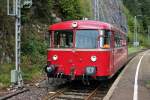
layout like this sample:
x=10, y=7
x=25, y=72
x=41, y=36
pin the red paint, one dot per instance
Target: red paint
x=108, y=60
x=80, y=60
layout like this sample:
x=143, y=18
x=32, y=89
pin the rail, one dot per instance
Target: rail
x=92, y=94
x=51, y=96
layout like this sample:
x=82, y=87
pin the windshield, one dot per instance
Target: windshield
x=63, y=39
x=86, y=39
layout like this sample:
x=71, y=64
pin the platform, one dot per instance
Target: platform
x=134, y=81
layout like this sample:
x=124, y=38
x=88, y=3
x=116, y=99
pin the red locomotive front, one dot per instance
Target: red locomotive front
x=81, y=49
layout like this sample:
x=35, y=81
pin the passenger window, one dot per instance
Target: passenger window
x=124, y=40
x=119, y=40
x=104, y=39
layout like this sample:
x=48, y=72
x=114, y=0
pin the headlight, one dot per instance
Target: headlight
x=49, y=69
x=55, y=57
x=74, y=24
x=93, y=58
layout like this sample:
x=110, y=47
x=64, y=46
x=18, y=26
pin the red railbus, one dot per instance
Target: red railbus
x=85, y=49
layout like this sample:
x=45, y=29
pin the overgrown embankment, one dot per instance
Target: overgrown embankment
x=35, y=22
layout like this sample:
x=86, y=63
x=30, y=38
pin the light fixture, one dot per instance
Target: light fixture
x=93, y=58
x=74, y=24
x=55, y=57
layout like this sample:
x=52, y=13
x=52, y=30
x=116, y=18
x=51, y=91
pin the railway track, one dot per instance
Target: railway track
x=14, y=94
x=78, y=91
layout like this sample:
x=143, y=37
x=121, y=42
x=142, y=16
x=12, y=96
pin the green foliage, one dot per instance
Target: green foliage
x=140, y=7
x=133, y=49
x=70, y=9
x=5, y=75
x=86, y=8
x=142, y=36
x=31, y=72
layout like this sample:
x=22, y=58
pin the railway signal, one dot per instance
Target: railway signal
x=14, y=9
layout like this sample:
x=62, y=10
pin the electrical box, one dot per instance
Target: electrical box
x=14, y=76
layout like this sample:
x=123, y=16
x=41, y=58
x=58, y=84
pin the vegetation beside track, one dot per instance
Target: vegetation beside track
x=134, y=49
x=148, y=84
x=35, y=22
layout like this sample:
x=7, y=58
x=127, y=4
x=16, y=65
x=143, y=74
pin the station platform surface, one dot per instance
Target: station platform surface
x=134, y=83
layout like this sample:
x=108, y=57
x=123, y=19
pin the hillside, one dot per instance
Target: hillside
x=139, y=8
x=35, y=22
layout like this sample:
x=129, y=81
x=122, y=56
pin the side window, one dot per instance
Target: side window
x=120, y=40
x=124, y=40
x=117, y=40
x=48, y=38
x=104, y=39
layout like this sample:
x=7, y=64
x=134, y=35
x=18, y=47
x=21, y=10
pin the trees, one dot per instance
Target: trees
x=139, y=7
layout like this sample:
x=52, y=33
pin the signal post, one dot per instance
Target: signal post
x=14, y=9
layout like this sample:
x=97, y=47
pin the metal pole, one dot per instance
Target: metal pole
x=98, y=13
x=95, y=8
x=18, y=40
x=102, y=10
x=16, y=77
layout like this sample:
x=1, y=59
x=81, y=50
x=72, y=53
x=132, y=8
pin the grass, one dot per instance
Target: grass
x=148, y=84
x=134, y=49
x=5, y=70
x=29, y=73
x=32, y=72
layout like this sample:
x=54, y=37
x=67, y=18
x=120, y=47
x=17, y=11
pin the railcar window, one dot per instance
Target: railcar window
x=104, y=40
x=63, y=39
x=124, y=39
x=118, y=40
x=86, y=39
x=48, y=38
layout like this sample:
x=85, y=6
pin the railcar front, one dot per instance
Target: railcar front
x=80, y=52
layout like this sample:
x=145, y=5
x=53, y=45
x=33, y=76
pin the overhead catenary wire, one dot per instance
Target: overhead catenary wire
x=110, y=11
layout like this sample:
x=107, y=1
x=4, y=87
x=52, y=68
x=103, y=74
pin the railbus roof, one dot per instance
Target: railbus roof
x=83, y=24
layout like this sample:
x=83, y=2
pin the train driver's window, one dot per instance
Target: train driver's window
x=63, y=39
x=104, y=39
